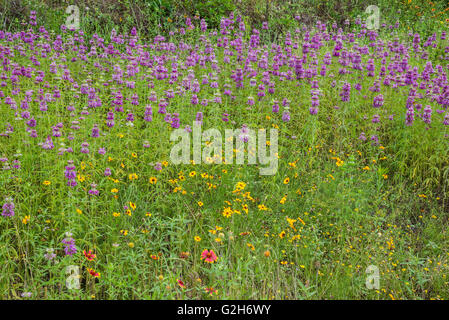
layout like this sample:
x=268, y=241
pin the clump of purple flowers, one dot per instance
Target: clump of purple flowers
x=362, y=136
x=158, y=166
x=8, y=208
x=427, y=115
x=410, y=116
x=286, y=115
x=446, y=119
x=48, y=144
x=378, y=101
x=93, y=191
x=50, y=255
x=70, y=174
x=69, y=244
x=345, y=92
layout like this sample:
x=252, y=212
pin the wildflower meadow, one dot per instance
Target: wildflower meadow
x=221, y=162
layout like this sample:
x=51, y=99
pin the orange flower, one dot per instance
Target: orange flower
x=93, y=273
x=89, y=255
x=180, y=283
x=209, y=256
x=211, y=291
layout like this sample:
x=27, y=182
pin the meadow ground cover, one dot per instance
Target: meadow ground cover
x=88, y=187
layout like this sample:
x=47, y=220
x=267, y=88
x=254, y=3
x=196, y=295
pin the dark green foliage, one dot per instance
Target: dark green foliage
x=153, y=17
